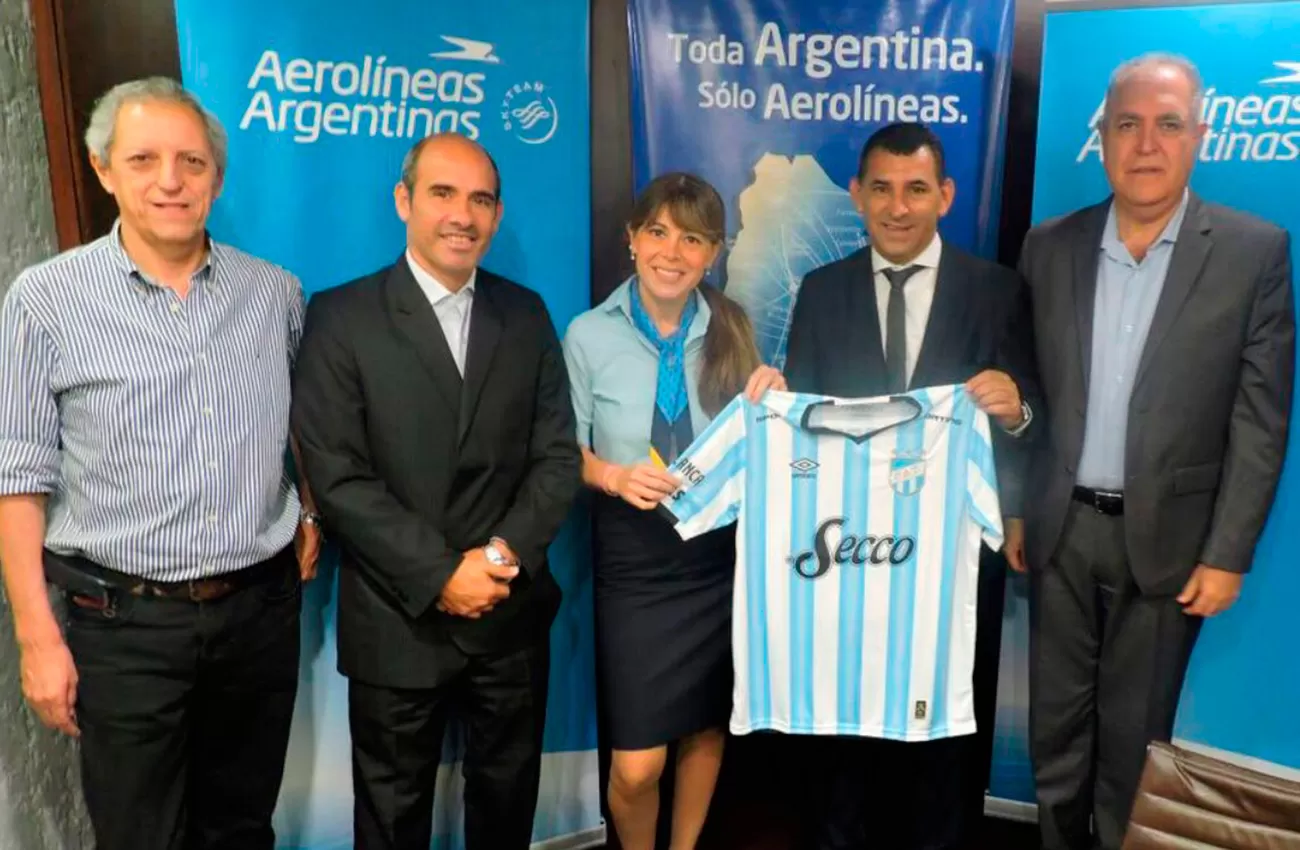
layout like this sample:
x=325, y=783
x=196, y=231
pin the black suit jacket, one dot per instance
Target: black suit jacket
x=1211, y=400
x=979, y=319
x=411, y=466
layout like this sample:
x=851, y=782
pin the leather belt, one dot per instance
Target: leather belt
x=1108, y=502
x=84, y=578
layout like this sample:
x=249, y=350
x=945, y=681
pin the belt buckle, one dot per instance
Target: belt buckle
x=1103, y=501
x=203, y=589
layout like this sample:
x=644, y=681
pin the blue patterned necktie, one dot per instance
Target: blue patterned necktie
x=670, y=430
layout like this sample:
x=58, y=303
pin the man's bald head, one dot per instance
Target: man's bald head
x=411, y=162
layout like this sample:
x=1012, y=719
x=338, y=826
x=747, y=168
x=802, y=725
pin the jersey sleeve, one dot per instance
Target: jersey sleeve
x=982, y=482
x=712, y=475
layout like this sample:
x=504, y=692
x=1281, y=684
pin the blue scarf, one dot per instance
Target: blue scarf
x=671, y=431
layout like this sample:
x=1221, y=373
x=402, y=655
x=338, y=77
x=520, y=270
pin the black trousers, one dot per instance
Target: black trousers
x=924, y=795
x=184, y=711
x=1106, y=670
x=397, y=744
x=892, y=794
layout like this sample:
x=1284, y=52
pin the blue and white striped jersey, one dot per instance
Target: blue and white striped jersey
x=857, y=557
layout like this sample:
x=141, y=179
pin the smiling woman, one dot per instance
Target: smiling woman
x=649, y=368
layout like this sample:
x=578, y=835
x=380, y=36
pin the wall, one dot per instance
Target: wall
x=40, y=800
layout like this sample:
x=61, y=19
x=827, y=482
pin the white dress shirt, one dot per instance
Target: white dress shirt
x=451, y=308
x=919, y=295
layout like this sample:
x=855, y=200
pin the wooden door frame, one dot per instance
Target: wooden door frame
x=60, y=139
x=83, y=48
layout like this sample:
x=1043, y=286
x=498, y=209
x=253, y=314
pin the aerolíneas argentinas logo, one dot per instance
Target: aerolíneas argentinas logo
x=376, y=97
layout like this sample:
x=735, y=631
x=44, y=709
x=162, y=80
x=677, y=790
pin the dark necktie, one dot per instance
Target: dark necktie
x=896, y=328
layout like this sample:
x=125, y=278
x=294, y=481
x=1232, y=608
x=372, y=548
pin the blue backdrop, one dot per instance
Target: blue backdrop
x=772, y=100
x=321, y=101
x=1243, y=689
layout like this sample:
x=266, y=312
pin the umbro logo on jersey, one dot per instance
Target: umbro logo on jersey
x=877, y=550
x=804, y=467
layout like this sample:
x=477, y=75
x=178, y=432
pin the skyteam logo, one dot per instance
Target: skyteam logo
x=530, y=113
x=1253, y=122
x=907, y=475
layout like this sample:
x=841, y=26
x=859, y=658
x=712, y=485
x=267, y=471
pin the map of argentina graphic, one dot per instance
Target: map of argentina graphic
x=793, y=218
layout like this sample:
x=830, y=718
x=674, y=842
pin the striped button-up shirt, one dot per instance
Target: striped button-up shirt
x=157, y=425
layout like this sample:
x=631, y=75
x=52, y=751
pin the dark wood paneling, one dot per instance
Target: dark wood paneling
x=611, y=146
x=611, y=203
x=84, y=48
x=1022, y=129
x=56, y=113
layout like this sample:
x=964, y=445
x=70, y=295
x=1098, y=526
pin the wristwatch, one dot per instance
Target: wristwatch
x=1026, y=416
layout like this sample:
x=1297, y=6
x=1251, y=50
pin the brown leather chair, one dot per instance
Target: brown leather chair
x=1189, y=800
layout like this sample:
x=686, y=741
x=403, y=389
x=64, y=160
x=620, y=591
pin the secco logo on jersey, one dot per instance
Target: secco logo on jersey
x=376, y=96
x=876, y=550
x=1253, y=123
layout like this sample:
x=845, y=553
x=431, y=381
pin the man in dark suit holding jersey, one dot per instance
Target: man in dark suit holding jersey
x=911, y=311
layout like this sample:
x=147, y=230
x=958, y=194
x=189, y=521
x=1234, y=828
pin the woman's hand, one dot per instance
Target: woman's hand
x=764, y=378
x=642, y=486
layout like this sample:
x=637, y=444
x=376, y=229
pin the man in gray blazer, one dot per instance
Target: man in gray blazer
x=1165, y=340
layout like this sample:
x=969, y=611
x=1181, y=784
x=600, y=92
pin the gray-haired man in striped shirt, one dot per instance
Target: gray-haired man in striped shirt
x=144, y=403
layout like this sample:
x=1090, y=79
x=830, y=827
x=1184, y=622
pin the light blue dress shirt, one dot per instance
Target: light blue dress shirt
x=613, y=371
x=452, y=309
x=1127, y=294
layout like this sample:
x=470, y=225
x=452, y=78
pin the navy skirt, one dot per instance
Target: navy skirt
x=663, y=626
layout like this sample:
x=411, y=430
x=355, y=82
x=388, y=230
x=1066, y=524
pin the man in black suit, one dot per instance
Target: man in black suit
x=906, y=312
x=432, y=407
x=1167, y=345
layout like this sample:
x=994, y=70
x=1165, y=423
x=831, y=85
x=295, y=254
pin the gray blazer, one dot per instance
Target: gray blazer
x=1208, y=418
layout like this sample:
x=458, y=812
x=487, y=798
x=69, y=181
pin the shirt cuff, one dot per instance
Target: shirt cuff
x=1023, y=426
x=27, y=468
